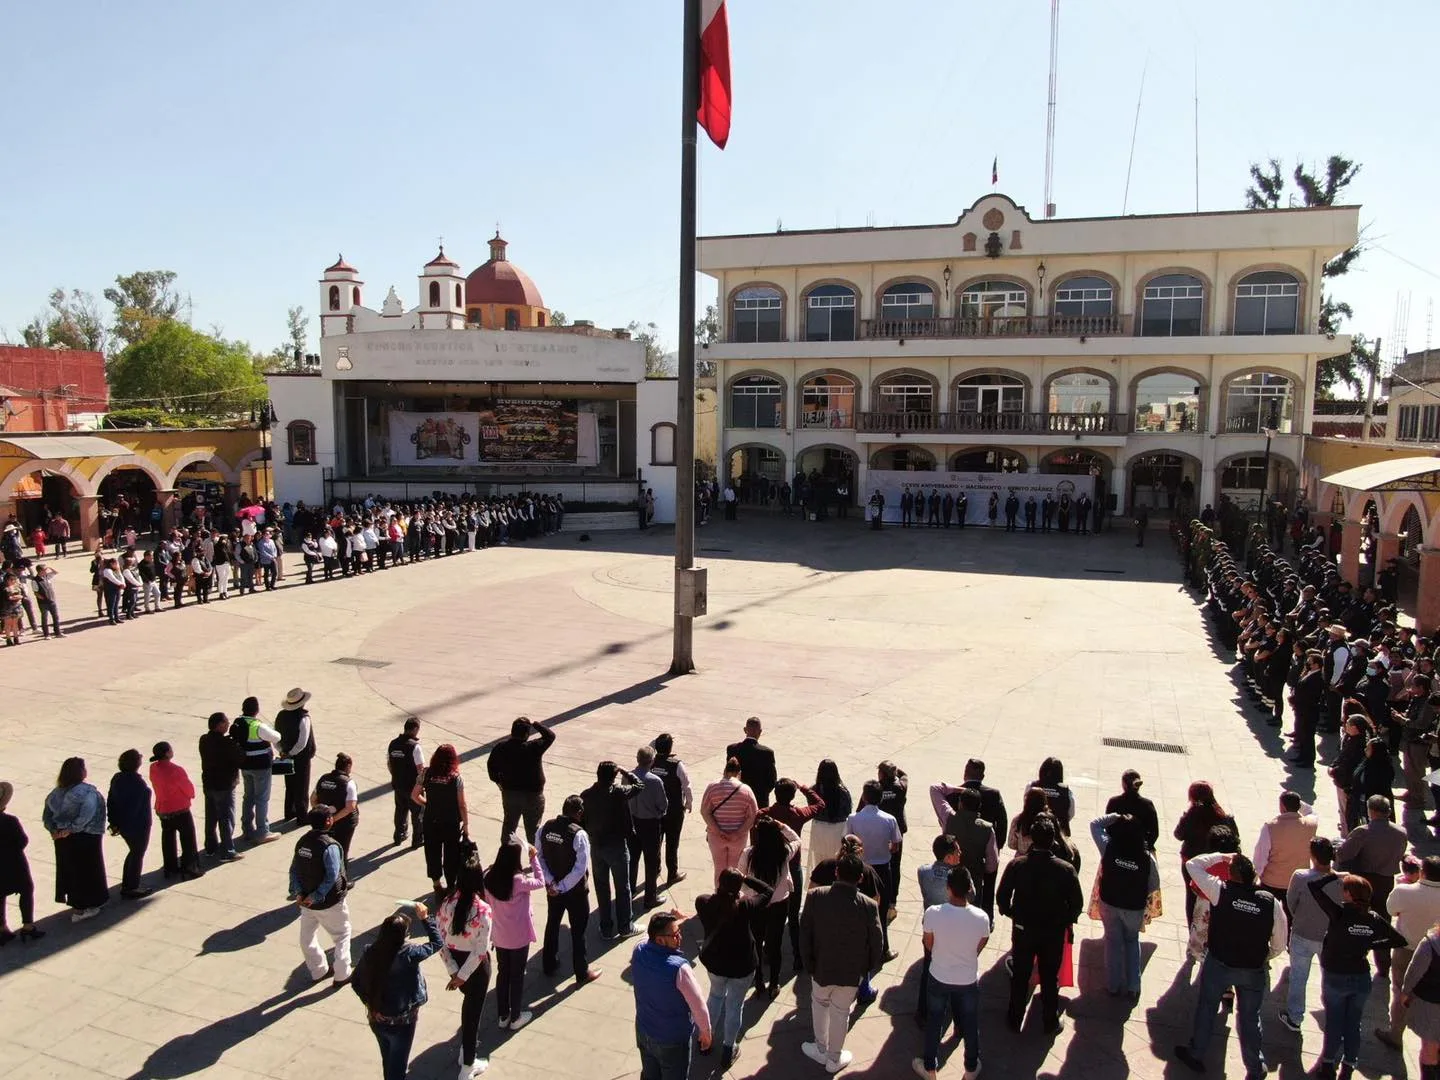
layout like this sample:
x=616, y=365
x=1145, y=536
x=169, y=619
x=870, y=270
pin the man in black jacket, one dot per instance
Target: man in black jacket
x=610, y=829
x=1306, y=703
x=515, y=767
x=1041, y=896
x=1131, y=802
x=405, y=760
x=840, y=944
x=220, y=759
x=757, y=762
x=992, y=803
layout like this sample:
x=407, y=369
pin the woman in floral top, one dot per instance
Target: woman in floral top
x=74, y=816
x=464, y=923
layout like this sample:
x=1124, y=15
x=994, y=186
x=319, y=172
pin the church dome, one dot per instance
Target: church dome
x=500, y=281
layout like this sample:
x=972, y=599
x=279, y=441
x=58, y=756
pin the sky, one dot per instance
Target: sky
x=245, y=146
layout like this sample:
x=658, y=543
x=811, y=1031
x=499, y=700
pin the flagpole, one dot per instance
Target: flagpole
x=682, y=659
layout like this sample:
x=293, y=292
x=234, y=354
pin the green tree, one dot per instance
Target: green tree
x=649, y=336
x=143, y=301
x=1267, y=192
x=72, y=321
x=283, y=357
x=707, y=332
x=559, y=318
x=181, y=370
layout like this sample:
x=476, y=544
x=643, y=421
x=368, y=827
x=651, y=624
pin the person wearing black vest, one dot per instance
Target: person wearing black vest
x=563, y=853
x=336, y=789
x=318, y=883
x=405, y=759
x=1248, y=929
x=1128, y=875
x=440, y=789
x=257, y=743
x=894, y=789
x=671, y=771
x=220, y=760
x=1041, y=896
x=297, y=744
x=1051, y=780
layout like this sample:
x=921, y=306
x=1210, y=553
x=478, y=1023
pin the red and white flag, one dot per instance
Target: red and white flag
x=714, y=113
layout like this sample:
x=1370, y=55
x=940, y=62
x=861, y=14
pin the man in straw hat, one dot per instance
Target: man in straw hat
x=297, y=745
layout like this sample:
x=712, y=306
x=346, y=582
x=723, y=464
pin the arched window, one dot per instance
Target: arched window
x=907, y=309
x=300, y=442
x=334, y=297
x=460, y=298
x=1078, y=297
x=827, y=401
x=1259, y=401
x=512, y=319
x=1267, y=302
x=434, y=294
x=992, y=401
x=1167, y=401
x=988, y=459
x=539, y=318
x=757, y=314
x=903, y=459
x=355, y=296
x=994, y=303
x=830, y=313
x=662, y=444
x=1172, y=306
x=757, y=401
x=906, y=393
x=1078, y=392
x=1244, y=474
x=1076, y=463
x=1411, y=535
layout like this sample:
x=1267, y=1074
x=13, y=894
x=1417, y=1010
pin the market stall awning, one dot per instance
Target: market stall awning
x=1395, y=474
x=57, y=447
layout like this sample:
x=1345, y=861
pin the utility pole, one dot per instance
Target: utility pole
x=689, y=582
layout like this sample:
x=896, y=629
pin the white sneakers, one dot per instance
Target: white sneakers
x=835, y=1066
x=469, y=1072
x=84, y=913
x=812, y=1051
x=521, y=1019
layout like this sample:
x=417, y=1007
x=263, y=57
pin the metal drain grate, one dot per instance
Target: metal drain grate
x=1146, y=744
x=357, y=661
x=1092, y=570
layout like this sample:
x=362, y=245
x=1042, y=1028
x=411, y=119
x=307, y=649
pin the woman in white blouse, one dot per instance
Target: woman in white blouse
x=464, y=923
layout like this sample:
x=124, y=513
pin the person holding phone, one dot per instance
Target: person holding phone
x=389, y=981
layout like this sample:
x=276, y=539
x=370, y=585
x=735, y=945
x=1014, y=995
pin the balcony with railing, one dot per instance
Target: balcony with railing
x=1003, y=423
x=948, y=326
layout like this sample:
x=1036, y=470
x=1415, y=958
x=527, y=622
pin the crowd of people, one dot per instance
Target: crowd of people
x=133, y=574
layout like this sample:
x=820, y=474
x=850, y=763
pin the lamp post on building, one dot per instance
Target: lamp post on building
x=267, y=420
x=1265, y=491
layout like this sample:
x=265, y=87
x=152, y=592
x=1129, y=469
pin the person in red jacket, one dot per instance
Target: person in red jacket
x=173, y=795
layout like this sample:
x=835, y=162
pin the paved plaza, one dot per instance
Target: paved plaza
x=924, y=646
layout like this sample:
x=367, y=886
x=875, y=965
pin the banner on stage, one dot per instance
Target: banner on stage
x=976, y=488
x=434, y=439
x=515, y=430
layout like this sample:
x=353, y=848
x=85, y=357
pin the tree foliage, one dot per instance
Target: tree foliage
x=559, y=318
x=1267, y=191
x=181, y=370
x=707, y=332
x=143, y=301
x=649, y=336
x=72, y=321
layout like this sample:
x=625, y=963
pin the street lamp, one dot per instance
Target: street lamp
x=1265, y=491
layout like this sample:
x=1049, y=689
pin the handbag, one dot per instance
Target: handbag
x=282, y=767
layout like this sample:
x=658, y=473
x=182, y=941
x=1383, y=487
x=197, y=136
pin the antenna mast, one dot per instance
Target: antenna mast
x=1050, y=109
x=1197, y=129
x=1134, y=131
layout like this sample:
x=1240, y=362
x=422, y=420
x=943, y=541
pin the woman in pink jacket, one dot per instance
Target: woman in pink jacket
x=511, y=930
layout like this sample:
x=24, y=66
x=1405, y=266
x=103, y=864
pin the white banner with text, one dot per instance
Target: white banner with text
x=977, y=489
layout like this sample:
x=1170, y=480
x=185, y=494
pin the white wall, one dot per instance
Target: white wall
x=302, y=397
x=655, y=403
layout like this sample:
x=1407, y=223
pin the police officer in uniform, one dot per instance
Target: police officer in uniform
x=1247, y=931
x=405, y=759
x=336, y=789
x=563, y=850
x=671, y=771
x=319, y=885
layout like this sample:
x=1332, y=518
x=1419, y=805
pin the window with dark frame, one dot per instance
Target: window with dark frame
x=756, y=314
x=300, y=442
x=830, y=313
x=1267, y=302
x=1172, y=306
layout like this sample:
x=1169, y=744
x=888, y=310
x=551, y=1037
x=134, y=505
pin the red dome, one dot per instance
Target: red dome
x=341, y=266
x=500, y=281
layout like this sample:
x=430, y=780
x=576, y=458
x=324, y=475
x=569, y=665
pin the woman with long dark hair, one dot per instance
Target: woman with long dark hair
x=74, y=816
x=1036, y=803
x=767, y=859
x=441, y=791
x=1193, y=832
x=729, y=953
x=1051, y=780
x=827, y=828
x=512, y=929
x=465, y=922
x=389, y=981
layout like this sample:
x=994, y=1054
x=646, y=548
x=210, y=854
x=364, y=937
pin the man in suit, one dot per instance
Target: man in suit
x=1306, y=703
x=992, y=803
x=907, y=508
x=1082, y=515
x=1047, y=512
x=1012, y=510
x=934, y=520
x=757, y=762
